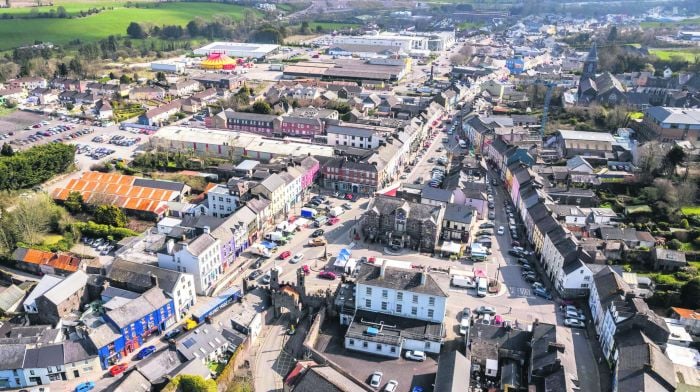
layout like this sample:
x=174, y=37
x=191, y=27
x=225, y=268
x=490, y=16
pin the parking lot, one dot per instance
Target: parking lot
x=361, y=365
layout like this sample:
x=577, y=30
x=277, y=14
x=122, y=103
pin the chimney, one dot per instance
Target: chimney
x=423, y=276
x=154, y=280
x=170, y=246
x=206, y=229
x=382, y=271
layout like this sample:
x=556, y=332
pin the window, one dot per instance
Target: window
x=431, y=312
x=584, y=285
x=368, y=303
x=384, y=305
x=414, y=310
x=364, y=344
x=399, y=296
x=427, y=345
x=368, y=291
x=399, y=308
x=415, y=299
x=351, y=342
x=431, y=301
x=385, y=293
x=379, y=347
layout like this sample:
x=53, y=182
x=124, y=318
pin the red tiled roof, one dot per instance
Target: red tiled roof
x=59, y=261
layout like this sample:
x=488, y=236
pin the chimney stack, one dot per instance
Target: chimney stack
x=423, y=276
x=206, y=229
x=382, y=271
x=154, y=280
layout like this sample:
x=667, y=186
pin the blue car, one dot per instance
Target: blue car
x=146, y=351
x=85, y=386
x=417, y=389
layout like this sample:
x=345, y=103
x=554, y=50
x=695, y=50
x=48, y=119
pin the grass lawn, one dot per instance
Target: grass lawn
x=17, y=32
x=694, y=21
x=51, y=239
x=469, y=25
x=4, y=111
x=72, y=7
x=687, y=54
x=691, y=210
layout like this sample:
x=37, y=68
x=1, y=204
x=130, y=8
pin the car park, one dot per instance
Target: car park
x=574, y=315
x=415, y=355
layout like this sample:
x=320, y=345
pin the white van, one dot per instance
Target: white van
x=482, y=287
x=463, y=282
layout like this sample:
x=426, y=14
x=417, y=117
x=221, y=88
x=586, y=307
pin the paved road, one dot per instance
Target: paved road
x=267, y=377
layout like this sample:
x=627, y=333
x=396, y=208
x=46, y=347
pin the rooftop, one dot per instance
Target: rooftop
x=65, y=288
x=399, y=279
x=392, y=328
x=588, y=136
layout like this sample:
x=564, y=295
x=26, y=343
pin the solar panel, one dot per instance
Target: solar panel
x=188, y=343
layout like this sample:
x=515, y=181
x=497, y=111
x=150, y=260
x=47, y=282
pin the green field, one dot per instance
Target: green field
x=687, y=54
x=18, y=32
x=72, y=7
x=686, y=22
x=694, y=210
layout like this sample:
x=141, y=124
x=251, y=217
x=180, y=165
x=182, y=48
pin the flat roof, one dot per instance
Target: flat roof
x=393, y=328
x=221, y=46
x=583, y=135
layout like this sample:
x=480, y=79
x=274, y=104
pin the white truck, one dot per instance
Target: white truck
x=336, y=211
x=274, y=236
x=463, y=282
x=260, y=250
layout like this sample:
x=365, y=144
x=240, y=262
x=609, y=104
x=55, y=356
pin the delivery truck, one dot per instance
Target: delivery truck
x=260, y=250
x=336, y=211
x=276, y=236
x=464, y=282
x=309, y=213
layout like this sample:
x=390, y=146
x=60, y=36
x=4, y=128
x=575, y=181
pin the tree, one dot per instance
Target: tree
x=262, y=107
x=190, y=383
x=135, y=30
x=612, y=35
x=125, y=79
x=304, y=28
x=160, y=76
x=61, y=12
x=74, y=202
x=109, y=214
x=6, y=150
x=690, y=294
x=673, y=158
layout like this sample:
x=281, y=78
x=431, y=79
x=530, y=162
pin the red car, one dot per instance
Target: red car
x=349, y=196
x=326, y=275
x=333, y=221
x=306, y=269
x=118, y=369
x=285, y=254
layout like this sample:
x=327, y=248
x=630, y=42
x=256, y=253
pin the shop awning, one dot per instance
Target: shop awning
x=450, y=247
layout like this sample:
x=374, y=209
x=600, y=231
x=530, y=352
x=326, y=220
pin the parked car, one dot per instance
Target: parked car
x=327, y=275
x=317, y=233
x=254, y=275
x=85, y=386
x=285, y=254
x=145, y=352
x=485, y=310
x=347, y=206
x=463, y=326
x=575, y=315
x=540, y=292
x=297, y=258
x=318, y=241
x=487, y=225
x=573, y=323
x=466, y=313
x=391, y=386
x=172, y=334
x=257, y=263
x=118, y=369
x=375, y=380
x=415, y=355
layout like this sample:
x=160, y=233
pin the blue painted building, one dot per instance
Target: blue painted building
x=129, y=326
x=516, y=65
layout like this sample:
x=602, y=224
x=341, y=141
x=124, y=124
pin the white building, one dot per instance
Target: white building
x=396, y=309
x=237, y=49
x=46, y=283
x=200, y=256
x=563, y=262
x=353, y=135
x=222, y=202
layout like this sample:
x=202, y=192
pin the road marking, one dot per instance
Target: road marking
x=520, y=291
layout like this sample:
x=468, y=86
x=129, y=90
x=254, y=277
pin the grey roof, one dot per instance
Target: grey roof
x=159, y=184
x=325, y=379
x=135, y=309
x=138, y=274
x=201, y=221
x=538, y=212
x=12, y=356
x=610, y=286
x=543, y=336
x=133, y=381
x=65, y=288
x=257, y=205
x=159, y=365
x=452, y=373
x=200, y=342
x=556, y=381
x=384, y=205
x=103, y=335
x=200, y=244
x=437, y=194
x=583, y=135
x=669, y=254
x=9, y=297
x=273, y=182
x=399, y=279
x=79, y=350
x=350, y=130
x=459, y=213
x=487, y=340
x=250, y=116
x=641, y=365
x=675, y=115
x=44, y=356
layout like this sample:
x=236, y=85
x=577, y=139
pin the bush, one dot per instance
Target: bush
x=92, y=229
x=675, y=244
x=685, y=224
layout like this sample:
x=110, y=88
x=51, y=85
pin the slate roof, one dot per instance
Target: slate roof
x=138, y=274
x=384, y=205
x=437, y=194
x=199, y=344
x=543, y=335
x=65, y=288
x=12, y=356
x=609, y=285
x=459, y=213
x=135, y=309
x=159, y=184
x=641, y=365
x=133, y=381
x=669, y=254
x=273, y=182
x=547, y=224
x=399, y=279
x=78, y=350
x=103, y=335
x=348, y=129
x=44, y=356
x=200, y=244
x=9, y=297
x=452, y=373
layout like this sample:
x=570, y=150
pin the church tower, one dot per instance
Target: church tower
x=590, y=66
